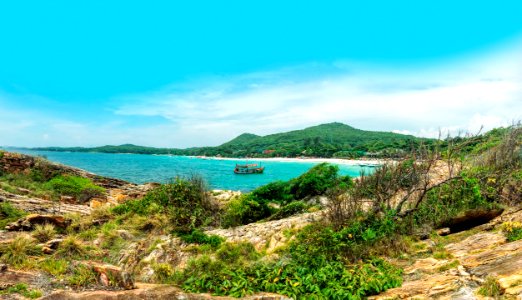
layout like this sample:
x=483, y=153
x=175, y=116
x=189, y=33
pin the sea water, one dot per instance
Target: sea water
x=142, y=168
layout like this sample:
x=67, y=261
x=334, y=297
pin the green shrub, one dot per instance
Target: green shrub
x=82, y=276
x=22, y=289
x=512, y=230
x=55, y=267
x=71, y=247
x=199, y=237
x=185, y=201
x=491, y=288
x=277, y=191
x=8, y=214
x=245, y=210
x=314, y=182
x=237, y=253
x=43, y=233
x=18, y=251
x=320, y=263
x=288, y=210
x=333, y=280
x=83, y=189
x=163, y=272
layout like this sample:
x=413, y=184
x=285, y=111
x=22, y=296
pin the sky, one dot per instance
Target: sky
x=198, y=73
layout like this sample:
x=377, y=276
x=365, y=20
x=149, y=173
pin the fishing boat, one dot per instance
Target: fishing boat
x=248, y=169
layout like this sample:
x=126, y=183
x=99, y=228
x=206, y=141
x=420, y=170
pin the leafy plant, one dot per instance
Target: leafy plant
x=8, y=214
x=83, y=189
x=199, y=237
x=82, y=276
x=71, y=247
x=18, y=251
x=43, y=233
x=22, y=289
x=491, y=288
x=512, y=230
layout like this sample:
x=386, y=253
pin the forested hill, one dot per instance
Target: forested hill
x=326, y=140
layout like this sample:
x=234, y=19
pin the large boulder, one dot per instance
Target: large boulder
x=29, y=222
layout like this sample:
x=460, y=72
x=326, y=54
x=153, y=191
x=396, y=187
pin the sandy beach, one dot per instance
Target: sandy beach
x=337, y=161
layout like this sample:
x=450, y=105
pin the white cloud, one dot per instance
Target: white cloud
x=452, y=97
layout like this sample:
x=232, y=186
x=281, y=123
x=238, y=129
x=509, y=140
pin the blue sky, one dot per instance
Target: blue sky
x=167, y=73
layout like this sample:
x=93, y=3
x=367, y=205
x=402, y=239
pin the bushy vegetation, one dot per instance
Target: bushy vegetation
x=17, y=252
x=83, y=189
x=8, y=214
x=22, y=289
x=43, y=233
x=199, y=237
x=512, y=230
x=185, y=201
x=319, y=263
x=254, y=206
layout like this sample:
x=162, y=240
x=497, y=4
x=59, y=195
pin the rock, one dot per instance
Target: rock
x=503, y=260
x=67, y=199
x=433, y=286
x=472, y=218
x=42, y=206
x=475, y=243
x=96, y=203
x=124, y=234
x=150, y=291
x=3, y=268
x=28, y=222
x=443, y=231
x=50, y=246
x=110, y=275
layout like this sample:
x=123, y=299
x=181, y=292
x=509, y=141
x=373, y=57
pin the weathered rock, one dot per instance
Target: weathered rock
x=28, y=222
x=443, y=231
x=262, y=235
x=110, y=275
x=472, y=218
x=475, y=243
x=150, y=291
x=50, y=246
x=502, y=260
x=42, y=206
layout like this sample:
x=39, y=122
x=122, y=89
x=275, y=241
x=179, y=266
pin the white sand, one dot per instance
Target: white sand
x=338, y=161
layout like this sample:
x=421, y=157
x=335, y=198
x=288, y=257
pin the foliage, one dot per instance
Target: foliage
x=277, y=191
x=199, y=237
x=8, y=214
x=447, y=201
x=71, y=247
x=83, y=189
x=288, y=210
x=512, y=230
x=82, y=276
x=55, y=267
x=254, y=206
x=43, y=233
x=317, y=181
x=491, y=288
x=22, y=289
x=245, y=210
x=185, y=201
x=18, y=251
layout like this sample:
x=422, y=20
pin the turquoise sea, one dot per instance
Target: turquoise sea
x=219, y=174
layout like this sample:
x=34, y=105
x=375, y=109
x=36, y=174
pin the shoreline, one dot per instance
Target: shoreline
x=338, y=161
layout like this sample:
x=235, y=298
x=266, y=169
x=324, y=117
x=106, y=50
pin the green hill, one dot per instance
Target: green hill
x=326, y=140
